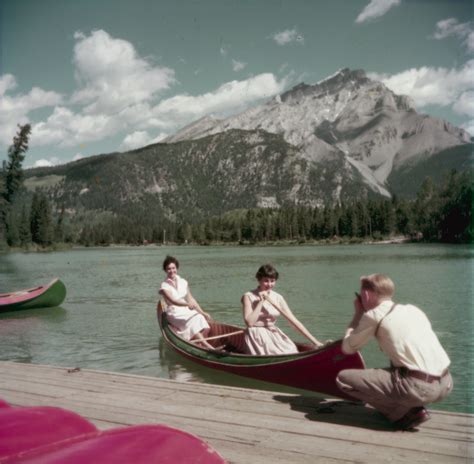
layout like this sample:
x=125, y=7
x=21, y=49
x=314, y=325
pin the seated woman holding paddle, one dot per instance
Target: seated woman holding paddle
x=182, y=310
x=261, y=307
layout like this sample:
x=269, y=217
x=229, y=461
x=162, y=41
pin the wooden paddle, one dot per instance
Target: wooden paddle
x=215, y=337
x=282, y=313
x=274, y=305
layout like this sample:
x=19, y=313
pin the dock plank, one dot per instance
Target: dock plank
x=243, y=425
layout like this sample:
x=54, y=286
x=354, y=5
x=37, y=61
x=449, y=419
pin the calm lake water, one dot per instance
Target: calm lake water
x=108, y=319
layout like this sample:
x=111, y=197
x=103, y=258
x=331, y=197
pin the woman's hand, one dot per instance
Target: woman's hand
x=207, y=316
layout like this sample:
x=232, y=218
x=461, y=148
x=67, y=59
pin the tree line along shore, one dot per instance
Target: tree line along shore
x=439, y=213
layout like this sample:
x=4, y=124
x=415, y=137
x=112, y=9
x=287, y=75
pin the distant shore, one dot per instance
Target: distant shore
x=280, y=243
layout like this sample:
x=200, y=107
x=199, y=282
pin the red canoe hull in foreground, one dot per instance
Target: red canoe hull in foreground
x=311, y=369
x=48, y=435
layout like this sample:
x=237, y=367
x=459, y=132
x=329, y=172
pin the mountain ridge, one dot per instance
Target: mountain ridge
x=345, y=112
x=343, y=138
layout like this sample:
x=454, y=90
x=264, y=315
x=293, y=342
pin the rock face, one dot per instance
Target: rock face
x=344, y=138
x=202, y=177
x=377, y=131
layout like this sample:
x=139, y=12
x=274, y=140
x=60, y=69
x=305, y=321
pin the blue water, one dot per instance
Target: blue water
x=108, y=319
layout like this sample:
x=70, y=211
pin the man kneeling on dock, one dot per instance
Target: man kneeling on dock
x=419, y=372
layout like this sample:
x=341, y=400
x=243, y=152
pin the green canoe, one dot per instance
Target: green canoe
x=52, y=294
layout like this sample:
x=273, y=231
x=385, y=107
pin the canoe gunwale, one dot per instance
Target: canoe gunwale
x=208, y=355
x=315, y=370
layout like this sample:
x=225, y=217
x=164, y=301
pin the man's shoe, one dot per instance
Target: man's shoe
x=413, y=418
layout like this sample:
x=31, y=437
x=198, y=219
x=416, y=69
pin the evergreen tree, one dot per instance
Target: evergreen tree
x=283, y=228
x=59, y=228
x=317, y=224
x=404, y=218
x=236, y=234
x=24, y=228
x=354, y=220
x=199, y=233
x=14, y=172
x=34, y=217
x=41, y=220
x=425, y=210
x=3, y=209
x=329, y=222
x=455, y=214
x=13, y=234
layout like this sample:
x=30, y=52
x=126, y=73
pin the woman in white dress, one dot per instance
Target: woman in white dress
x=261, y=307
x=182, y=310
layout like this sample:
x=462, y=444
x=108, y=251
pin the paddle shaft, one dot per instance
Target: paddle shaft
x=282, y=313
x=215, y=337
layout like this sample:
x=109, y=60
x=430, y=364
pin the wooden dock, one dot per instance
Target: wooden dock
x=243, y=425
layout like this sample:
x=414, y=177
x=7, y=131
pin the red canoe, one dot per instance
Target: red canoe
x=310, y=369
x=48, y=295
x=54, y=435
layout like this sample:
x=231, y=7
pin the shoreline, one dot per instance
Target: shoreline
x=397, y=240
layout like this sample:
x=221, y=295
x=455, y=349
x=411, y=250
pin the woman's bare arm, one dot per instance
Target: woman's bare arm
x=173, y=301
x=251, y=315
x=193, y=304
x=286, y=312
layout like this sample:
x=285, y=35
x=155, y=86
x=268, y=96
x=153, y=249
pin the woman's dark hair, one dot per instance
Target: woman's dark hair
x=267, y=270
x=168, y=260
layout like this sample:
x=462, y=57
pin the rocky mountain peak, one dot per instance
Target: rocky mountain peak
x=347, y=114
x=344, y=78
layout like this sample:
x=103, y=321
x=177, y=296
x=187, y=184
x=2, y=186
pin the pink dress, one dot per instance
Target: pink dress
x=264, y=338
x=186, y=322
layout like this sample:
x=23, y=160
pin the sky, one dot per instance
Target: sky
x=101, y=76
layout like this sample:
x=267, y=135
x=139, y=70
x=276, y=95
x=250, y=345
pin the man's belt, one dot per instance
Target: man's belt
x=422, y=375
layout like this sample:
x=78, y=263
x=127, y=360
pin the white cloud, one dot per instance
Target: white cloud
x=7, y=82
x=68, y=129
x=47, y=163
x=14, y=109
x=288, y=36
x=452, y=27
x=470, y=41
x=223, y=50
x=77, y=156
x=469, y=127
x=465, y=104
x=432, y=86
x=140, y=139
x=227, y=98
x=238, y=65
x=112, y=76
x=119, y=92
x=376, y=9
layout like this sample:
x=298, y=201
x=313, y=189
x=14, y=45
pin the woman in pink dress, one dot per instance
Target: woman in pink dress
x=261, y=307
x=182, y=310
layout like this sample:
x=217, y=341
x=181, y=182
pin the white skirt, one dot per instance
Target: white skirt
x=186, y=322
x=268, y=340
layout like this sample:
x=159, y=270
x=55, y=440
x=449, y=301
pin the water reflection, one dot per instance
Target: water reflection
x=55, y=314
x=180, y=368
